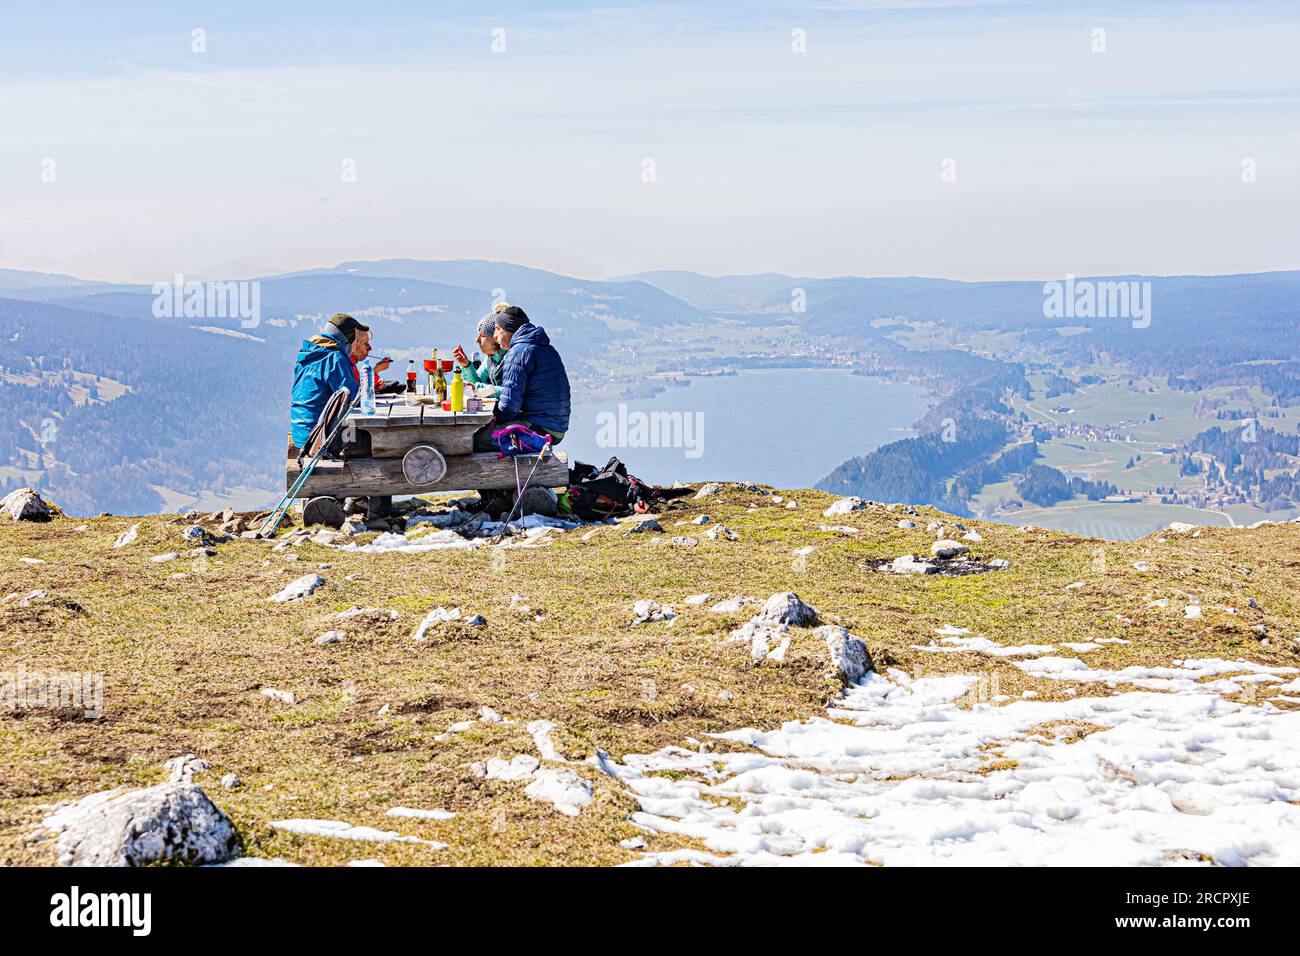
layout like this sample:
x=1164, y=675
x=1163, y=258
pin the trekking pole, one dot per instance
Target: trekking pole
x=273, y=521
x=519, y=497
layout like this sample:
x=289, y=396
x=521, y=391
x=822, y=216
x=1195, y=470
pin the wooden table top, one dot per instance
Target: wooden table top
x=395, y=414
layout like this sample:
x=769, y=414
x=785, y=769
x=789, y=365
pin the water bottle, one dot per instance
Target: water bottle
x=367, y=374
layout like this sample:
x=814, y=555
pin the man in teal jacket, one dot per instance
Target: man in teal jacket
x=324, y=366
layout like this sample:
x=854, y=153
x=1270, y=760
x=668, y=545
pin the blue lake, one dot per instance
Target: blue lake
x=786, y=428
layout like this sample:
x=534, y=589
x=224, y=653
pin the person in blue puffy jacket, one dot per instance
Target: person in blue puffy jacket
x=324, y=366
x=534, y=384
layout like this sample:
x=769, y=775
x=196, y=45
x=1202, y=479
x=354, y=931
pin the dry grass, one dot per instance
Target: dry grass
x=185, y=659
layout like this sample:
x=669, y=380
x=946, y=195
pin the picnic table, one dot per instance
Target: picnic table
x=411, y=449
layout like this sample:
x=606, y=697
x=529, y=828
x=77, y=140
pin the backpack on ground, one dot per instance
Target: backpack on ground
x=610, y=492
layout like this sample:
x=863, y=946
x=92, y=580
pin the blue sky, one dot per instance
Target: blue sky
x=821, y=162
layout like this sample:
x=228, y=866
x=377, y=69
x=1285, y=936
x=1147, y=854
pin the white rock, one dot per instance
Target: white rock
x=1142, y=566
x=298, y=589
x=760, y=636
x=332, y=637
x=25, y=504
x=1180, y=527
x=732, y=605
x=945, y=549
x=632, y=843
x=31, y=560
x=787, y=608
x=721, y=531
x=696, y=599
x=562, y=788
x=682, y=541
x=231, y=782
x=844, y=506
x=700, y=519
x=172, y=822
x=439, y=615
x=127, y=536
x=22, y=600
x=1000, y=564
x=281, y=695
x=972, y=536
x=184, y=768
x=906, y=525
x=164, y=558
x=353, y=525
x=707, y=490
x=792, y=504
x=849, y=655
x=647, y=611
x=908, y=564
x=489, y=716
x=477, y=620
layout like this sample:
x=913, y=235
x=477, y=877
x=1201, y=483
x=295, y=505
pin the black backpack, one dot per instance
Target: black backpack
x=610, y=492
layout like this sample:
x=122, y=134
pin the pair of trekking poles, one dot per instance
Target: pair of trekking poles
x=339, y=404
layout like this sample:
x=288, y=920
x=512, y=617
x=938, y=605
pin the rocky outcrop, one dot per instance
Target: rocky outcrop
x=25, y=504
x=172, y=822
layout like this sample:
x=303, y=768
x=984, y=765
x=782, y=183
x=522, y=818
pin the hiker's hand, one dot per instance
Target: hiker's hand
x=459, y=355
x=383, y=364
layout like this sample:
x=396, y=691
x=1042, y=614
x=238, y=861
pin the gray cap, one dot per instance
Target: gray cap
x=510, y=318
x=487, y=325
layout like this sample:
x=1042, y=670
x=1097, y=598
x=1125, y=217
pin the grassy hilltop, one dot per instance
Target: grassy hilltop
x=188, y=645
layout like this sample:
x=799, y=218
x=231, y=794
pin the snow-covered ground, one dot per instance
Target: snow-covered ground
x=892, y=775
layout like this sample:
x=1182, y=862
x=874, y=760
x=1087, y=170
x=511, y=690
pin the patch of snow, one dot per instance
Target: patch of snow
x=340, y=830
x=897, y=773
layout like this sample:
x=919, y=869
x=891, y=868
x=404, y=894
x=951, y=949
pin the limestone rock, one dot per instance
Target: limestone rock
x=647, y=612
x=787, y=608
x=25, y=504
x=849, y=656
x=908, y=564
x=172, y=822
x=296, y=590
x=643, y=526
x=947, y=549
x=844, y=506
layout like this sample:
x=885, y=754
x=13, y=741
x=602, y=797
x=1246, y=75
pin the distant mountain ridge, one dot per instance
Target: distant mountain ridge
x=1204, y=330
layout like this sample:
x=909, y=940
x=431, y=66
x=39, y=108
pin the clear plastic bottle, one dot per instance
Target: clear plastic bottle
x=367, y=383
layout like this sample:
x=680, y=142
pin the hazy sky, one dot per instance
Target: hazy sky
x=823, y=162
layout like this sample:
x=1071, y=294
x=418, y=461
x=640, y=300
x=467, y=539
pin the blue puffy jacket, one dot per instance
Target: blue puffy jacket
x=534, y=385
x=324, y=366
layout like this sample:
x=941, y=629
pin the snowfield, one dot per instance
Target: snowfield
x=900, y=773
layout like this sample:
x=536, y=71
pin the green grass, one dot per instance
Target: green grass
x=184, y=659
